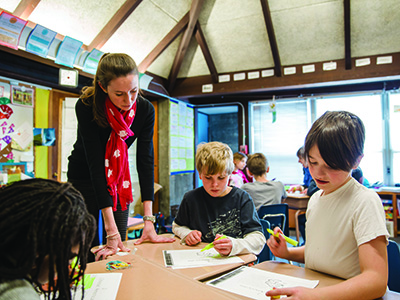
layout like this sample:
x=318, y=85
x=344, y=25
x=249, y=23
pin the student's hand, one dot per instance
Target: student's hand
x=223, y=246
x=149, y=234
x=193, y=238
x=278, y=246
x=113, y=243
x=305, y=191
x=296, y=293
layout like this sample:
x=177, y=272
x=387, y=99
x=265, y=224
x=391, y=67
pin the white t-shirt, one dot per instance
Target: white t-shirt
x=337, y=224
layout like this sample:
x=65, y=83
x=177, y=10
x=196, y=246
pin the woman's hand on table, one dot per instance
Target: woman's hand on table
x=113, y=243
x=149, y=234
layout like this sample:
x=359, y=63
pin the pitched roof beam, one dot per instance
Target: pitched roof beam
x=164, y=43
x=271, y=37
x=114, y=23
x=347, y=40
x=206, y=52
x=25, y=8
x=183, y=46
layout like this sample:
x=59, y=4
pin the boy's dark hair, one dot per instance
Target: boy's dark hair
x=339, y=136
x=257, y=164
x=43, y=219
x=300, y=153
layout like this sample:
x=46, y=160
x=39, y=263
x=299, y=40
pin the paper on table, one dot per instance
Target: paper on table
x=102, y=286
x=179, y=259
x=254, y=283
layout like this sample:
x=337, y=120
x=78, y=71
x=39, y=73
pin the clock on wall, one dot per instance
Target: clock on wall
x=68, y=77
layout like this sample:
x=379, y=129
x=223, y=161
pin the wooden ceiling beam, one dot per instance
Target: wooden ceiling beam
x=192, y=87
x=183, y=46
x=347, y=34
x=114, y=23
x=165, y=42
x=25, y=8
x=271, y=37
x=206, y=52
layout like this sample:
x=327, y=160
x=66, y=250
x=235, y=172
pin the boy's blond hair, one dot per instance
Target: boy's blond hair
x=214, y=158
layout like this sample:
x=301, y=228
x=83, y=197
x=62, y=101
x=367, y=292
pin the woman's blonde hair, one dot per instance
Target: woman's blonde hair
x=214, y=158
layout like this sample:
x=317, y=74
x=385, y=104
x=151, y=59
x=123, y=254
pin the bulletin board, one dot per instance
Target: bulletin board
x=16, y=127
x=181, y=138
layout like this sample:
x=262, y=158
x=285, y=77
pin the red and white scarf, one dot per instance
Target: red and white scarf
x=116, y=160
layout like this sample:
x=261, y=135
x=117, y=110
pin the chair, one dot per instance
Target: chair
x=394, y=266
x=265, y=254
x=276, y=215
x=300, y=218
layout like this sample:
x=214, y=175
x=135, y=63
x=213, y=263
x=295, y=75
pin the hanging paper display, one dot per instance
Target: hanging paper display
x=272, y=109
x=39, y=40
x=68, y=51
x=11, y=28
x=92, y=60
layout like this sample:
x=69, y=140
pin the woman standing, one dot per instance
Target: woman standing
x=111, y=116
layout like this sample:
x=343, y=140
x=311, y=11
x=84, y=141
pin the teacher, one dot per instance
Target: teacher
x=111, y=115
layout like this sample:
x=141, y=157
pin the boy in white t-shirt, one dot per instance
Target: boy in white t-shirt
x=346, y=231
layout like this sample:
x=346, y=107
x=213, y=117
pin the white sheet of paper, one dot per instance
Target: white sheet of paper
x=179, y=259
x=254, y=283
x=102, y=286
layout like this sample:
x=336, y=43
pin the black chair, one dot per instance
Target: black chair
x=265, y=254
x=276, y=215
x=394, y=266
x=300, y=219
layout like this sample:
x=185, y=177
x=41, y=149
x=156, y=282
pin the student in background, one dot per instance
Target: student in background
x=358, y=175
x=263, y=191
x=111, y=116
x=216, y=209
x=346, y=231
x=238, y=178
x=306, y=173
x=44, y=224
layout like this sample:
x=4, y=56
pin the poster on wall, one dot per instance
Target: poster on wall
x=16, y=134
x=181, y=138
x=21, y=95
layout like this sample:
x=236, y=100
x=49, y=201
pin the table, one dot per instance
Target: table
x=153, y=252
x=149, y=280
x=297, y=203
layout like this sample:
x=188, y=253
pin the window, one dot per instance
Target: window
x=280, y=140
x=369, y=109
x=394, y=125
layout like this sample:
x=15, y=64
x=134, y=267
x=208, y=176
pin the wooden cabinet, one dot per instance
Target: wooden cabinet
x=393, y=196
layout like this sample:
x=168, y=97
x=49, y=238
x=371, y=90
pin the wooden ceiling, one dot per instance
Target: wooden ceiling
x=203, y=48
